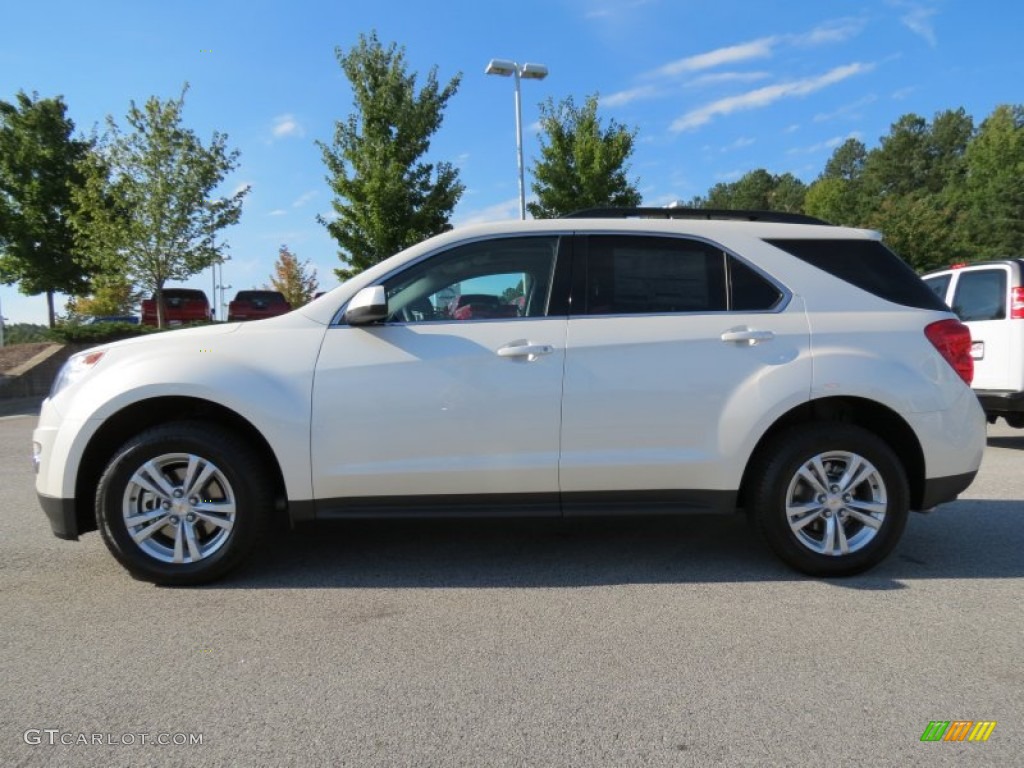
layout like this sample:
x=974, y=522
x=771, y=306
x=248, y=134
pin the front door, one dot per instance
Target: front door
x=456, y=398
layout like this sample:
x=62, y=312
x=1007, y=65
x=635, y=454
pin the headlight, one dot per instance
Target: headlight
x=75, y=368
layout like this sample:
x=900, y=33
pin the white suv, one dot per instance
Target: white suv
x=628, y=365
x=989, y=297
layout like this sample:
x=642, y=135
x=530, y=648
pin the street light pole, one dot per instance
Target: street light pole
x=504, y=68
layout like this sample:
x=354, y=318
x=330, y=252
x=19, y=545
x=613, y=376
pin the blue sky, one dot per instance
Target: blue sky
x=714, y=88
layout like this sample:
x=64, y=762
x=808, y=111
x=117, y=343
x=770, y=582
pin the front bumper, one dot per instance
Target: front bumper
x=63, y=516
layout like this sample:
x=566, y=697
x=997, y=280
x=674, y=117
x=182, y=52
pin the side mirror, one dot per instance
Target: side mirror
x=370, y=305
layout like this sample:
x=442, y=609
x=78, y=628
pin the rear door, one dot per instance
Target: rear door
x=676, y=353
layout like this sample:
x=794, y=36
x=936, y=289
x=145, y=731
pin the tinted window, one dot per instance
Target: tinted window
x=981, y=295
x=268, y=297
x=939, y=284
x=867, y=264
x=644, y=275
x=491, y=279
x=749, y=291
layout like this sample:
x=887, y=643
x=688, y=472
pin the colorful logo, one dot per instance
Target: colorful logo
x=958, y=730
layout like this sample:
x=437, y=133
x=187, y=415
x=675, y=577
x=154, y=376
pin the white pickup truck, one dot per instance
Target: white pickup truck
x=989, y=298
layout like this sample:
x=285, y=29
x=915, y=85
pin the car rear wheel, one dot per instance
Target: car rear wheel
x=831, y=499
x=183, y=503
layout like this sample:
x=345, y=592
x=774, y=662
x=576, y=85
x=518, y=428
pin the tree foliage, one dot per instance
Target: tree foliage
x=293, y=278
x=38, y=172
x=387, y=197
x=112, y=296
x=582, y=164
x=757, y=190
x=147, y=207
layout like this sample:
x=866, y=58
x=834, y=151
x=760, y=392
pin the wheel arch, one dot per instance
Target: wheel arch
x=879, y=419
x=151, y=412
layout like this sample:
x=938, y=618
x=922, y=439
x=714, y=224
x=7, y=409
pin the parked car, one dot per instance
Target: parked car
x=257, y=305
x=665, y=361
x=181, y=307
x=988, y=297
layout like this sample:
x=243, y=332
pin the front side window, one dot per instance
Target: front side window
x=486, y=280
x=654, y=275
x=981, y=295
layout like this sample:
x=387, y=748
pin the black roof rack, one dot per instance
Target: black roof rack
x=778, y=217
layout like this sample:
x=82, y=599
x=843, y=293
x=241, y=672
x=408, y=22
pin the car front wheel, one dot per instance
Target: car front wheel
x=831, y=499
x=183, y=503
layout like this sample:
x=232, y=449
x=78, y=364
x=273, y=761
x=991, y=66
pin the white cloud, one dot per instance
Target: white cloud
x=304, y=198
x=719, y=78
x=503, y=211
x=836, y=31
x=755, y=49
x=238, y=188
x=278, y=212
x=847, y=111
x=918, y=19
x=763, y=97
x=792, y=128
x=286, y=126
x=621, y=98
x=740, y=143
x=903, y=93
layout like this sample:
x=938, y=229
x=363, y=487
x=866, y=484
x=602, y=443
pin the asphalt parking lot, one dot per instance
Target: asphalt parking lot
x=523, y=643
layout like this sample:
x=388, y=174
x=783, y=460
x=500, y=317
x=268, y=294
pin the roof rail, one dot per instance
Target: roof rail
x=778, y=217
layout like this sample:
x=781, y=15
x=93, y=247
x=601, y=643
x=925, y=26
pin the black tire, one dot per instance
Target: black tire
x=238, y=474
x=775, y=480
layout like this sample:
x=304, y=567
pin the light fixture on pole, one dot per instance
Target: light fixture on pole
x=506, y=68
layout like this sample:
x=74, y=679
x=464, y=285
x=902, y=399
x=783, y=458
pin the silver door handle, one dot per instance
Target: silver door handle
x=748, y=335
x=530, y=351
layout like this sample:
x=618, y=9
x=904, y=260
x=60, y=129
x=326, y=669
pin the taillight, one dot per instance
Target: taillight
x=1017, y=303
x=953, y=340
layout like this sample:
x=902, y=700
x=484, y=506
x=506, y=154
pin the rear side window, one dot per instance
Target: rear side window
x=981, y=295
x=629, y=274
x=868, y=265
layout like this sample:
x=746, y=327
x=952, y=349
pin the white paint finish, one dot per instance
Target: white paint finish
x=661, y=401
x=433, y=408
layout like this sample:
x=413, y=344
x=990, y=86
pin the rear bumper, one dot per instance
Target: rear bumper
x=939, y=490
x=63, y=516
x=996, y=401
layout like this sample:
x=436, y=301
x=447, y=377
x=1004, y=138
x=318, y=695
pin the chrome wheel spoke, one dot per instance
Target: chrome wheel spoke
x=179, y=540
x=149, y=530
x=872, y=522
x=197, y=484
x=814, y=473
x=157, y=478
x=145, y=517
x=224, y=523
x=190, y=539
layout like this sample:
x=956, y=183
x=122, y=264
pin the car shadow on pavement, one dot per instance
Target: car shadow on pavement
x=966, y=539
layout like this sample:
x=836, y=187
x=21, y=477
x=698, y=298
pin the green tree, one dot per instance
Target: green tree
x=993, y=189
x=38, y=172
x=386, y=196
x=293, y=278
x=112, y=295
x=758, y=190
x=148, y=208
x=582, y=164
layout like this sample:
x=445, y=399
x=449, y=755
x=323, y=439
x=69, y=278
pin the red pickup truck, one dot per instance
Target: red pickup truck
x=181, y=306
x=256, y=305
